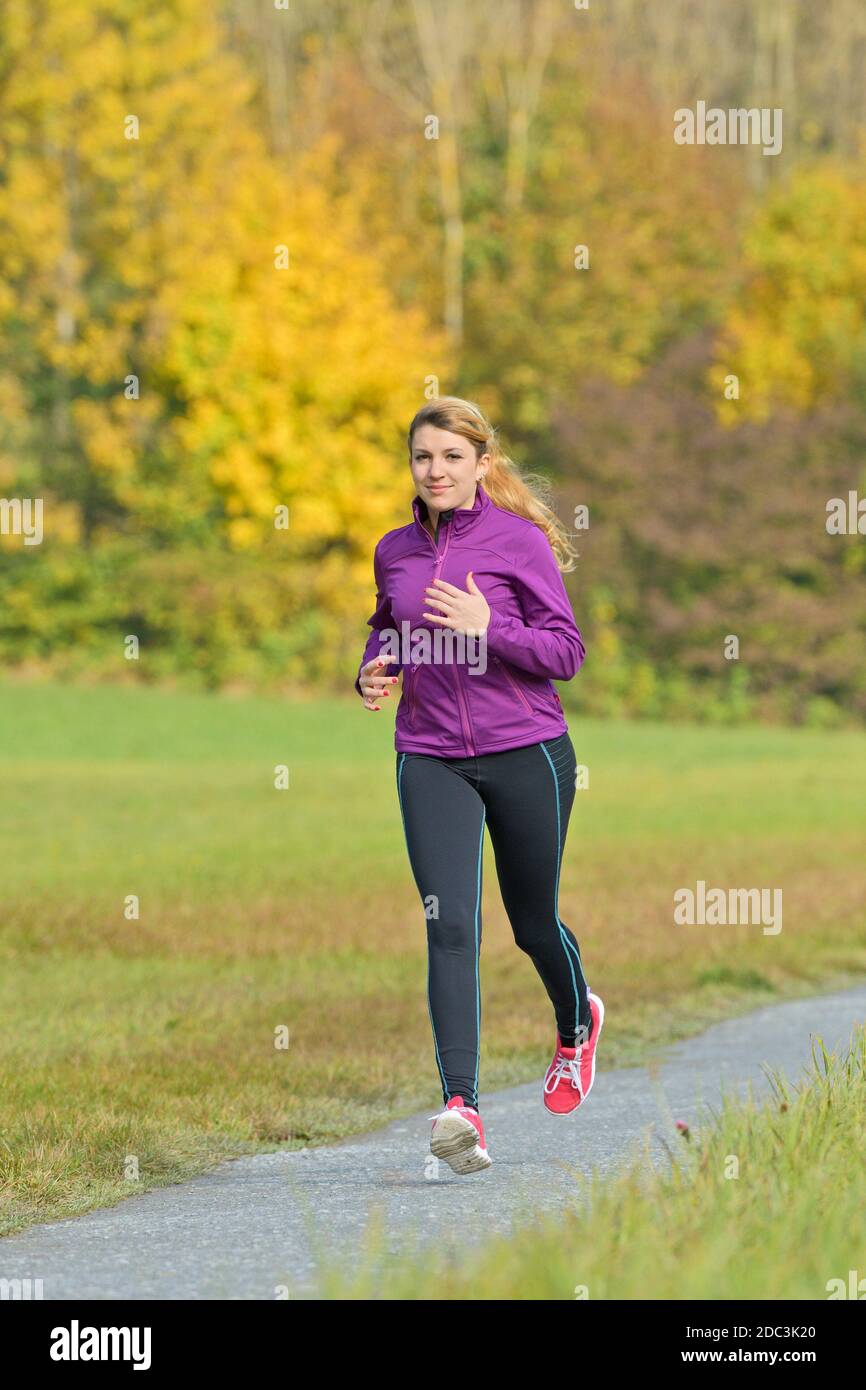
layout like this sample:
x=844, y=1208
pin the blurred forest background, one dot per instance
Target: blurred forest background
x=169, y=377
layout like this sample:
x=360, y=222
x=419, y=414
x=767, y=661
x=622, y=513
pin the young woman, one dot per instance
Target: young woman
x=481, y=739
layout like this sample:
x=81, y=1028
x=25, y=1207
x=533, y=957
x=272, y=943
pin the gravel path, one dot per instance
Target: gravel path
x=244, y=1229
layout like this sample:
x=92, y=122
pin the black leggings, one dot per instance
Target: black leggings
x=525, y=796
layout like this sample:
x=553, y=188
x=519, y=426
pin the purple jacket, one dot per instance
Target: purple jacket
x=452, y=707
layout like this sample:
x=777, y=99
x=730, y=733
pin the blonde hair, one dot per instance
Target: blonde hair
x=525, y=494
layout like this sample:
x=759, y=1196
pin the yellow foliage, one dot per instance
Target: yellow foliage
x=797, y=332
x=157, y=258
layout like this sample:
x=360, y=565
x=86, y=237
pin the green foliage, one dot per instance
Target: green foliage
x=270, y=381
x=192, y=340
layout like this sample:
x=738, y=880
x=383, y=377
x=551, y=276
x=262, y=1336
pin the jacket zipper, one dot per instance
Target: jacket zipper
x=464, y=712
x=514, y=686
x=461, y=698
x=411, y=696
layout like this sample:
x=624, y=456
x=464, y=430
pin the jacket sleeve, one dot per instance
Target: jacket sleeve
x=380, y=619
x=548, y=643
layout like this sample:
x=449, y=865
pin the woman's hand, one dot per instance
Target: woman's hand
x=374, y=683
x=466, y=612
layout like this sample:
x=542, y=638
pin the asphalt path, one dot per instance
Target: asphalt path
x=255, y=1227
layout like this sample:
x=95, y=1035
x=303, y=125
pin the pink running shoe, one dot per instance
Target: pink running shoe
x=569, y=1077
x=458, y=1138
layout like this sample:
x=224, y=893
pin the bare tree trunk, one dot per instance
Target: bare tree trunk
x=442, y=36
x=786, y=42
x=762, y=82
x=275, y=44
x=525, y=63
x=439, y=51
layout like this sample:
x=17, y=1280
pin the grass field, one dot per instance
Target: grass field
x=140, y=1051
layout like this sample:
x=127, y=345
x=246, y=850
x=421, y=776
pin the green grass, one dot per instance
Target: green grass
x=765, y=1201
x=151, y=1040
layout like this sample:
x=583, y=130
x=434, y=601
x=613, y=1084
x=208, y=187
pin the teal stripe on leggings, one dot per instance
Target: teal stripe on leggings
x=478, y=952
x=429, y=1010
x=567, y=945
x=477, y=944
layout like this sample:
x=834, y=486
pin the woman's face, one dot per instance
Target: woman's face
x=444, y=468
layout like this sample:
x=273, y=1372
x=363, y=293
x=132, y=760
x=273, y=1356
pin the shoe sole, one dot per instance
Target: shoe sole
x=560, y=1113
x=455, y=1140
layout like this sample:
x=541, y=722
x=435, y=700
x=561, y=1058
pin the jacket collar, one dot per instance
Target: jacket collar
x=461, y=518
